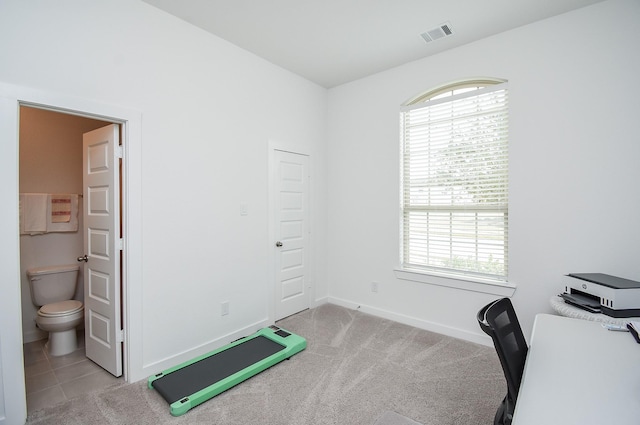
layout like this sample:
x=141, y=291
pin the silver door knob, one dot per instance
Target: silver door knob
x=278, y=244
x=85, y=258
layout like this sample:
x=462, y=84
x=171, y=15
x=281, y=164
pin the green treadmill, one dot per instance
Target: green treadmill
x=193, y=382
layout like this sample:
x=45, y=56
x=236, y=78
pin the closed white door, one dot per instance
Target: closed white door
x=101, y=205
x=292, y=233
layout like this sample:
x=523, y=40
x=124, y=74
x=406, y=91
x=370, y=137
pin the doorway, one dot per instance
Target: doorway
x=51, y=161
x=13, y=403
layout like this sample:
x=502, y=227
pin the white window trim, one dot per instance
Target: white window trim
x=493, y=287
x=453, y=280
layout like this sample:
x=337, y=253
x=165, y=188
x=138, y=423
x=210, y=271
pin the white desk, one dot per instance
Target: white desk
x=579, y=373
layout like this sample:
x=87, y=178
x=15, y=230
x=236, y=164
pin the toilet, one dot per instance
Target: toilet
x=52, y=289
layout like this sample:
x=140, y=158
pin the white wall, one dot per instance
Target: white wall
x=574, y=154
x=13, y=408
x=208, y=112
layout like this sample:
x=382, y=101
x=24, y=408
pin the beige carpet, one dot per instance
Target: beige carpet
x=357, y=369
x=392, y=418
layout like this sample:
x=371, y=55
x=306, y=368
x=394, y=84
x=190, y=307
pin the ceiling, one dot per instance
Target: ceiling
x=331, y=42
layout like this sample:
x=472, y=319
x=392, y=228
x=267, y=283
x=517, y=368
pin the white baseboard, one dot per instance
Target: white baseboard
x=34, y=335
x=415, y=322
x=163, y=364
x=320, y=301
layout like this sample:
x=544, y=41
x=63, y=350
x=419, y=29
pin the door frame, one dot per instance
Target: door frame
x=12, y=371
x=273, y=146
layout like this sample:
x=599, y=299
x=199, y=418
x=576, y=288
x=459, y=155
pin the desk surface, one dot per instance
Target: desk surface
x=577, y=372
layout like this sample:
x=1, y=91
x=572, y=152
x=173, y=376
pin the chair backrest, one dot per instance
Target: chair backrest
x=498, y=320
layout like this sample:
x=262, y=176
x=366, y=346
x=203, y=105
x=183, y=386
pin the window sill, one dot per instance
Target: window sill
x=503, y=289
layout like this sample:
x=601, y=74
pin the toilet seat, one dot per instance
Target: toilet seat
x=62, y=308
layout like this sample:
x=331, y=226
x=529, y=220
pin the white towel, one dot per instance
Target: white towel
x=69, y=226
x=33, y=213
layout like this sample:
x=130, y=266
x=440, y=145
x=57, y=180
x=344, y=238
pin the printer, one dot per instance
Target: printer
x=602, y=293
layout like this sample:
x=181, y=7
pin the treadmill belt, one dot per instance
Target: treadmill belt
x=197, y=376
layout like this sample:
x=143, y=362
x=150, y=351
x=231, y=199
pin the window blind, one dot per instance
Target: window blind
x=455, y=183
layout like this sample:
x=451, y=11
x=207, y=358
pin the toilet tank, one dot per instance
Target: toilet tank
x=52, y=283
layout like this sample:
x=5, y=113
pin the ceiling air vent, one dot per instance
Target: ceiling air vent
x=440, y=31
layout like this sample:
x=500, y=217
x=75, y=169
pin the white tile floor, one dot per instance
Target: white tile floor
x=50, y=380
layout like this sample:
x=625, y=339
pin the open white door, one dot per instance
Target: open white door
x=291, y=232
x=102, y=245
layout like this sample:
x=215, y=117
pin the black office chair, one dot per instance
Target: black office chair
x=498, y=320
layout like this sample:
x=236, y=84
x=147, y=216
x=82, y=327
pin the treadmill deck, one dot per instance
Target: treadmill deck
x=191, y=383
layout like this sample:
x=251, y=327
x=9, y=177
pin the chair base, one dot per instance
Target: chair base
x=504, y=414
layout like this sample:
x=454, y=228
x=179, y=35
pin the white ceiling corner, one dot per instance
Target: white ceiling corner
x=332, y=42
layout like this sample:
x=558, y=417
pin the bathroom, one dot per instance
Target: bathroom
x=50, y=161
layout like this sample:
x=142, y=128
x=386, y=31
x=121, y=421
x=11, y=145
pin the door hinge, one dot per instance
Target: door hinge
x=120, y=336
x=120, y=244
x=119, y=151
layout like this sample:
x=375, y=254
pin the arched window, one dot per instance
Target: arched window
x=454, y=181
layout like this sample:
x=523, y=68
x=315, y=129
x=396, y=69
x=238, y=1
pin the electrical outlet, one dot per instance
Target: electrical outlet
x=224, y=308
x=374, y=286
